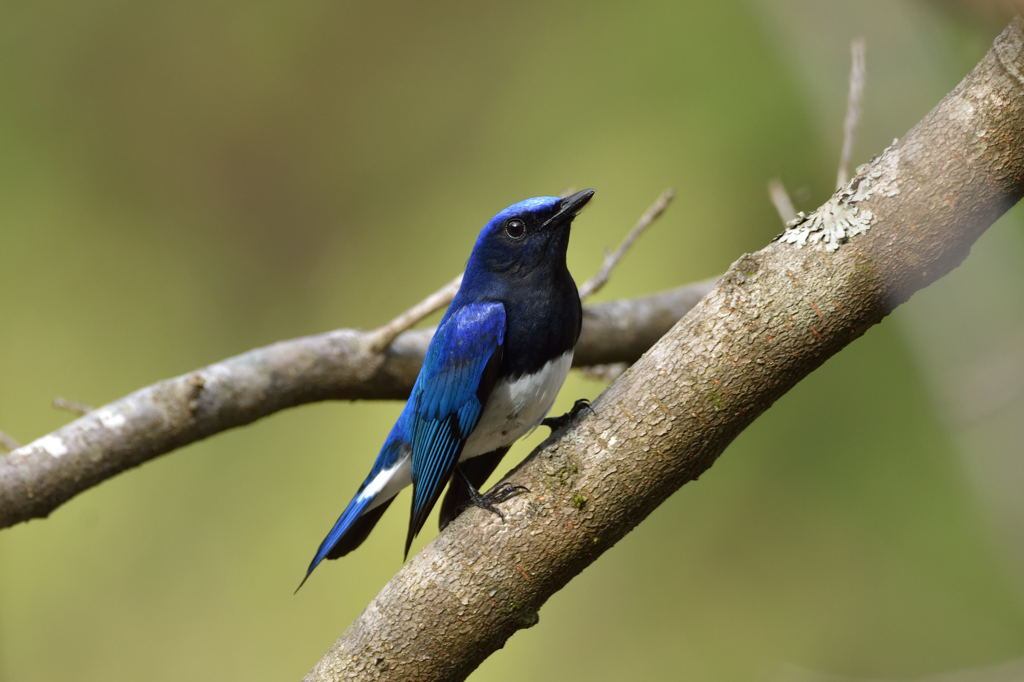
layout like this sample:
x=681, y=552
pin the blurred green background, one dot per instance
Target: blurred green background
x=180, y=182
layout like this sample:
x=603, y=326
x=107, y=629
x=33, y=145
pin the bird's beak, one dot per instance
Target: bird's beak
x=569, y=207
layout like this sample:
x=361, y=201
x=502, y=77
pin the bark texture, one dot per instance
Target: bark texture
x=903, y=221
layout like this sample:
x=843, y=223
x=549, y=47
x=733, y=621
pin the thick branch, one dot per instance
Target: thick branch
x=905, y=220
x=38, y=477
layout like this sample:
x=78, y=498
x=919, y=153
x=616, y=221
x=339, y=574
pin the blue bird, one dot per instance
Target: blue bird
x=490, y=375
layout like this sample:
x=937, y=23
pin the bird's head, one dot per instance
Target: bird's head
x=527, y=239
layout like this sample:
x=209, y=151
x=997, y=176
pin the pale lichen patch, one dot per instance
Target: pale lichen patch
x=841, y=217
x=52, y=445
x=111, y=419
x=832, y=224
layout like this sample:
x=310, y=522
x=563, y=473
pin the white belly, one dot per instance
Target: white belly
x=515, y=407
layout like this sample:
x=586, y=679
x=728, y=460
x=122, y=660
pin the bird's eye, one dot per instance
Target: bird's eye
x=515, y=228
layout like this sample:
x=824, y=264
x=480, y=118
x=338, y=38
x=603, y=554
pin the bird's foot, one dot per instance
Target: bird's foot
x=555, y=423
x=498, y=494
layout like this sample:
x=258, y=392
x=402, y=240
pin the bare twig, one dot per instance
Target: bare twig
x=776, y=190
x=72, y=406
x=382, y=337
x=654, y=211
x=853, y=107
x=8, y=443
x=780, y=199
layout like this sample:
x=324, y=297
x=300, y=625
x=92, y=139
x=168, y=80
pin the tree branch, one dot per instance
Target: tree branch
x=906, y=219
x=38, y=477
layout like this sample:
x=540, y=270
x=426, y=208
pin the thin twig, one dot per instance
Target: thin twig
x=853, y=107
x=383, y=336
x=776, y=190
x=76, y=407
x=780, y=199
x=594, y=284
x=8, y=443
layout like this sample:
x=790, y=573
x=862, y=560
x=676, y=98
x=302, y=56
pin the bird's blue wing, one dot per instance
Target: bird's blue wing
x=458, y=373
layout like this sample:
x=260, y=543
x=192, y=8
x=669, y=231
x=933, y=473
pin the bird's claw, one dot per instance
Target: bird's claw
x=505, y=491
x=498, y=494
x=555, y=423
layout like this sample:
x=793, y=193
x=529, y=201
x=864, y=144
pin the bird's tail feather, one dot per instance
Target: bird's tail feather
x=348, y=531
x=359, y=530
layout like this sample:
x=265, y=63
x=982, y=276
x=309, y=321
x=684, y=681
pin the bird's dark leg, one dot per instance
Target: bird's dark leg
x=500, y=493
x=555, y=423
